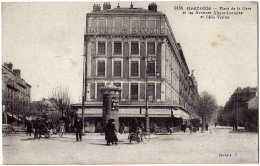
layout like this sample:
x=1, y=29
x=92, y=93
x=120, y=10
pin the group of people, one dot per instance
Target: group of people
x=111, y=132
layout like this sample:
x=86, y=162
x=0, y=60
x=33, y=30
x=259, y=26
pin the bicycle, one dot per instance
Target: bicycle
x=139, y=136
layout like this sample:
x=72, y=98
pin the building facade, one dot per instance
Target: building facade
x=16, y=93
x=237, y=108
x=135, y=49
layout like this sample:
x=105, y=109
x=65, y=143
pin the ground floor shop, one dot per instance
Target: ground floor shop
x=158, y=116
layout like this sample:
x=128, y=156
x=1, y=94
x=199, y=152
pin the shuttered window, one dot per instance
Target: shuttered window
x=117, y=48
x=134, y=69
x=151, y=48
x=101, y=68
x=151, y=68
x=117, y=68
x=134, y=48
x=101, y=48
x=134, y=92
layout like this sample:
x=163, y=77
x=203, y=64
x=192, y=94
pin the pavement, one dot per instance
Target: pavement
x=220, y=145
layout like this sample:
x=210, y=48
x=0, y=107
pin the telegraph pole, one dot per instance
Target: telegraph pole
x=146, y=98
x=83, y=90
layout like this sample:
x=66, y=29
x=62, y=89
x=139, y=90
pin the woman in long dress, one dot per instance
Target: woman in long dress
x=110, y=132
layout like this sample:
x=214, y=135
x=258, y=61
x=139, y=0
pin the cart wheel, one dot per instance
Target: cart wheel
x=12, y=132
x=7, y=132
x=60, y=134
x=145, y=138
x=47, y=135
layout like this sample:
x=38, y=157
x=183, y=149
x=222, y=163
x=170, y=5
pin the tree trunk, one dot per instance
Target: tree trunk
x=203, y=125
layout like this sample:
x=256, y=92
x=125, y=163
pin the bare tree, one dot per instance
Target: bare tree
x=62, y=99
x=206, y=106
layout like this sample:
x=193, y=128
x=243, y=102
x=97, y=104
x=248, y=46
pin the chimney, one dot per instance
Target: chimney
x=152, y=7
x=96, y=7
x=118, y=6
x=106, y=6
x=17, y=72
x=131, y=6
x=9, y=65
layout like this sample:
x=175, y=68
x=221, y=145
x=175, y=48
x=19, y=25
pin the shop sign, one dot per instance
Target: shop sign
x=150, y=31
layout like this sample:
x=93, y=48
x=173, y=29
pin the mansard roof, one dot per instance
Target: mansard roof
x=127, y=11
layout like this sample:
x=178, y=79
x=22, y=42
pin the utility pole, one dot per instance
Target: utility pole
x=146, y=98
x=83, y=90
x=237, y=111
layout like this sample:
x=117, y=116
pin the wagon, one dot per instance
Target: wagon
x=41, y=128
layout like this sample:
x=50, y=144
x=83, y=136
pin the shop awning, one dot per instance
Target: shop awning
x=137, y=112
x=91, y=112
x=131, y=112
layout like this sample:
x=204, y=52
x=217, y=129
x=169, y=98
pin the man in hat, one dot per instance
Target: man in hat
x=78, y=125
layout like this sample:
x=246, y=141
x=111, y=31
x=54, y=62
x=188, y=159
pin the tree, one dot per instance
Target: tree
x=205, y=107
x=62, y=99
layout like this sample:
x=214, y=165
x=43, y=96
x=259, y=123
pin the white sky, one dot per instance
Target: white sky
x=45, y=41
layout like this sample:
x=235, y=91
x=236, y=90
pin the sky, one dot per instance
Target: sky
x=46, y=40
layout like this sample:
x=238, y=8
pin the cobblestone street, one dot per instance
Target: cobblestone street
x=221, y=145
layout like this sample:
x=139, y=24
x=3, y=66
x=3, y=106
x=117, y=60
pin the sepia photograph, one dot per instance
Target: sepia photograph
x=131, y=82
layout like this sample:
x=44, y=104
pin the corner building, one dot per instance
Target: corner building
x=135, y=49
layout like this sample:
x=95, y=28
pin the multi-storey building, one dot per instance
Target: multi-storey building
x=16, y=92
x=238, y=104
x=135, y=49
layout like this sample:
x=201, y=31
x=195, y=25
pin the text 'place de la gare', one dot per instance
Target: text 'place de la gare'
x=135, y=49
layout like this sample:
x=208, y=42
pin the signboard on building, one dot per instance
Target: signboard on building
x=143, y=31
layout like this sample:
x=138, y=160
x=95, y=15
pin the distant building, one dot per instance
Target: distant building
x=239, y=102
x=16, y=93
x=124, y=46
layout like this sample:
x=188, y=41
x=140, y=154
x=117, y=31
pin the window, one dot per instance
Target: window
x=135, y=24
x=99, y=93
x=118, y=85
x=134, y=92
x=117, y=48
x=151, y=92
x=101, y=68
x=101, y=48
x=151, y=24
x=101, y=23
x=134, y=48
x=134, y=69
x=117, y=68
x=151, y=68
x=151, y=48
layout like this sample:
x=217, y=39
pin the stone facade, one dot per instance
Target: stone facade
x=16, y=92
x=135, y=49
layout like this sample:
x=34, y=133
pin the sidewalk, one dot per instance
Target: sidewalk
x=98, y=136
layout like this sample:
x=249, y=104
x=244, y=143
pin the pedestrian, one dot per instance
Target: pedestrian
x=110, y=132
x=122, y=128
x=29, y=128
x=190, y=127
x=207, y=126
x=78, y=125
x=215, y=124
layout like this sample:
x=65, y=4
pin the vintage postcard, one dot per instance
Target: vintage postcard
x=130, y=82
